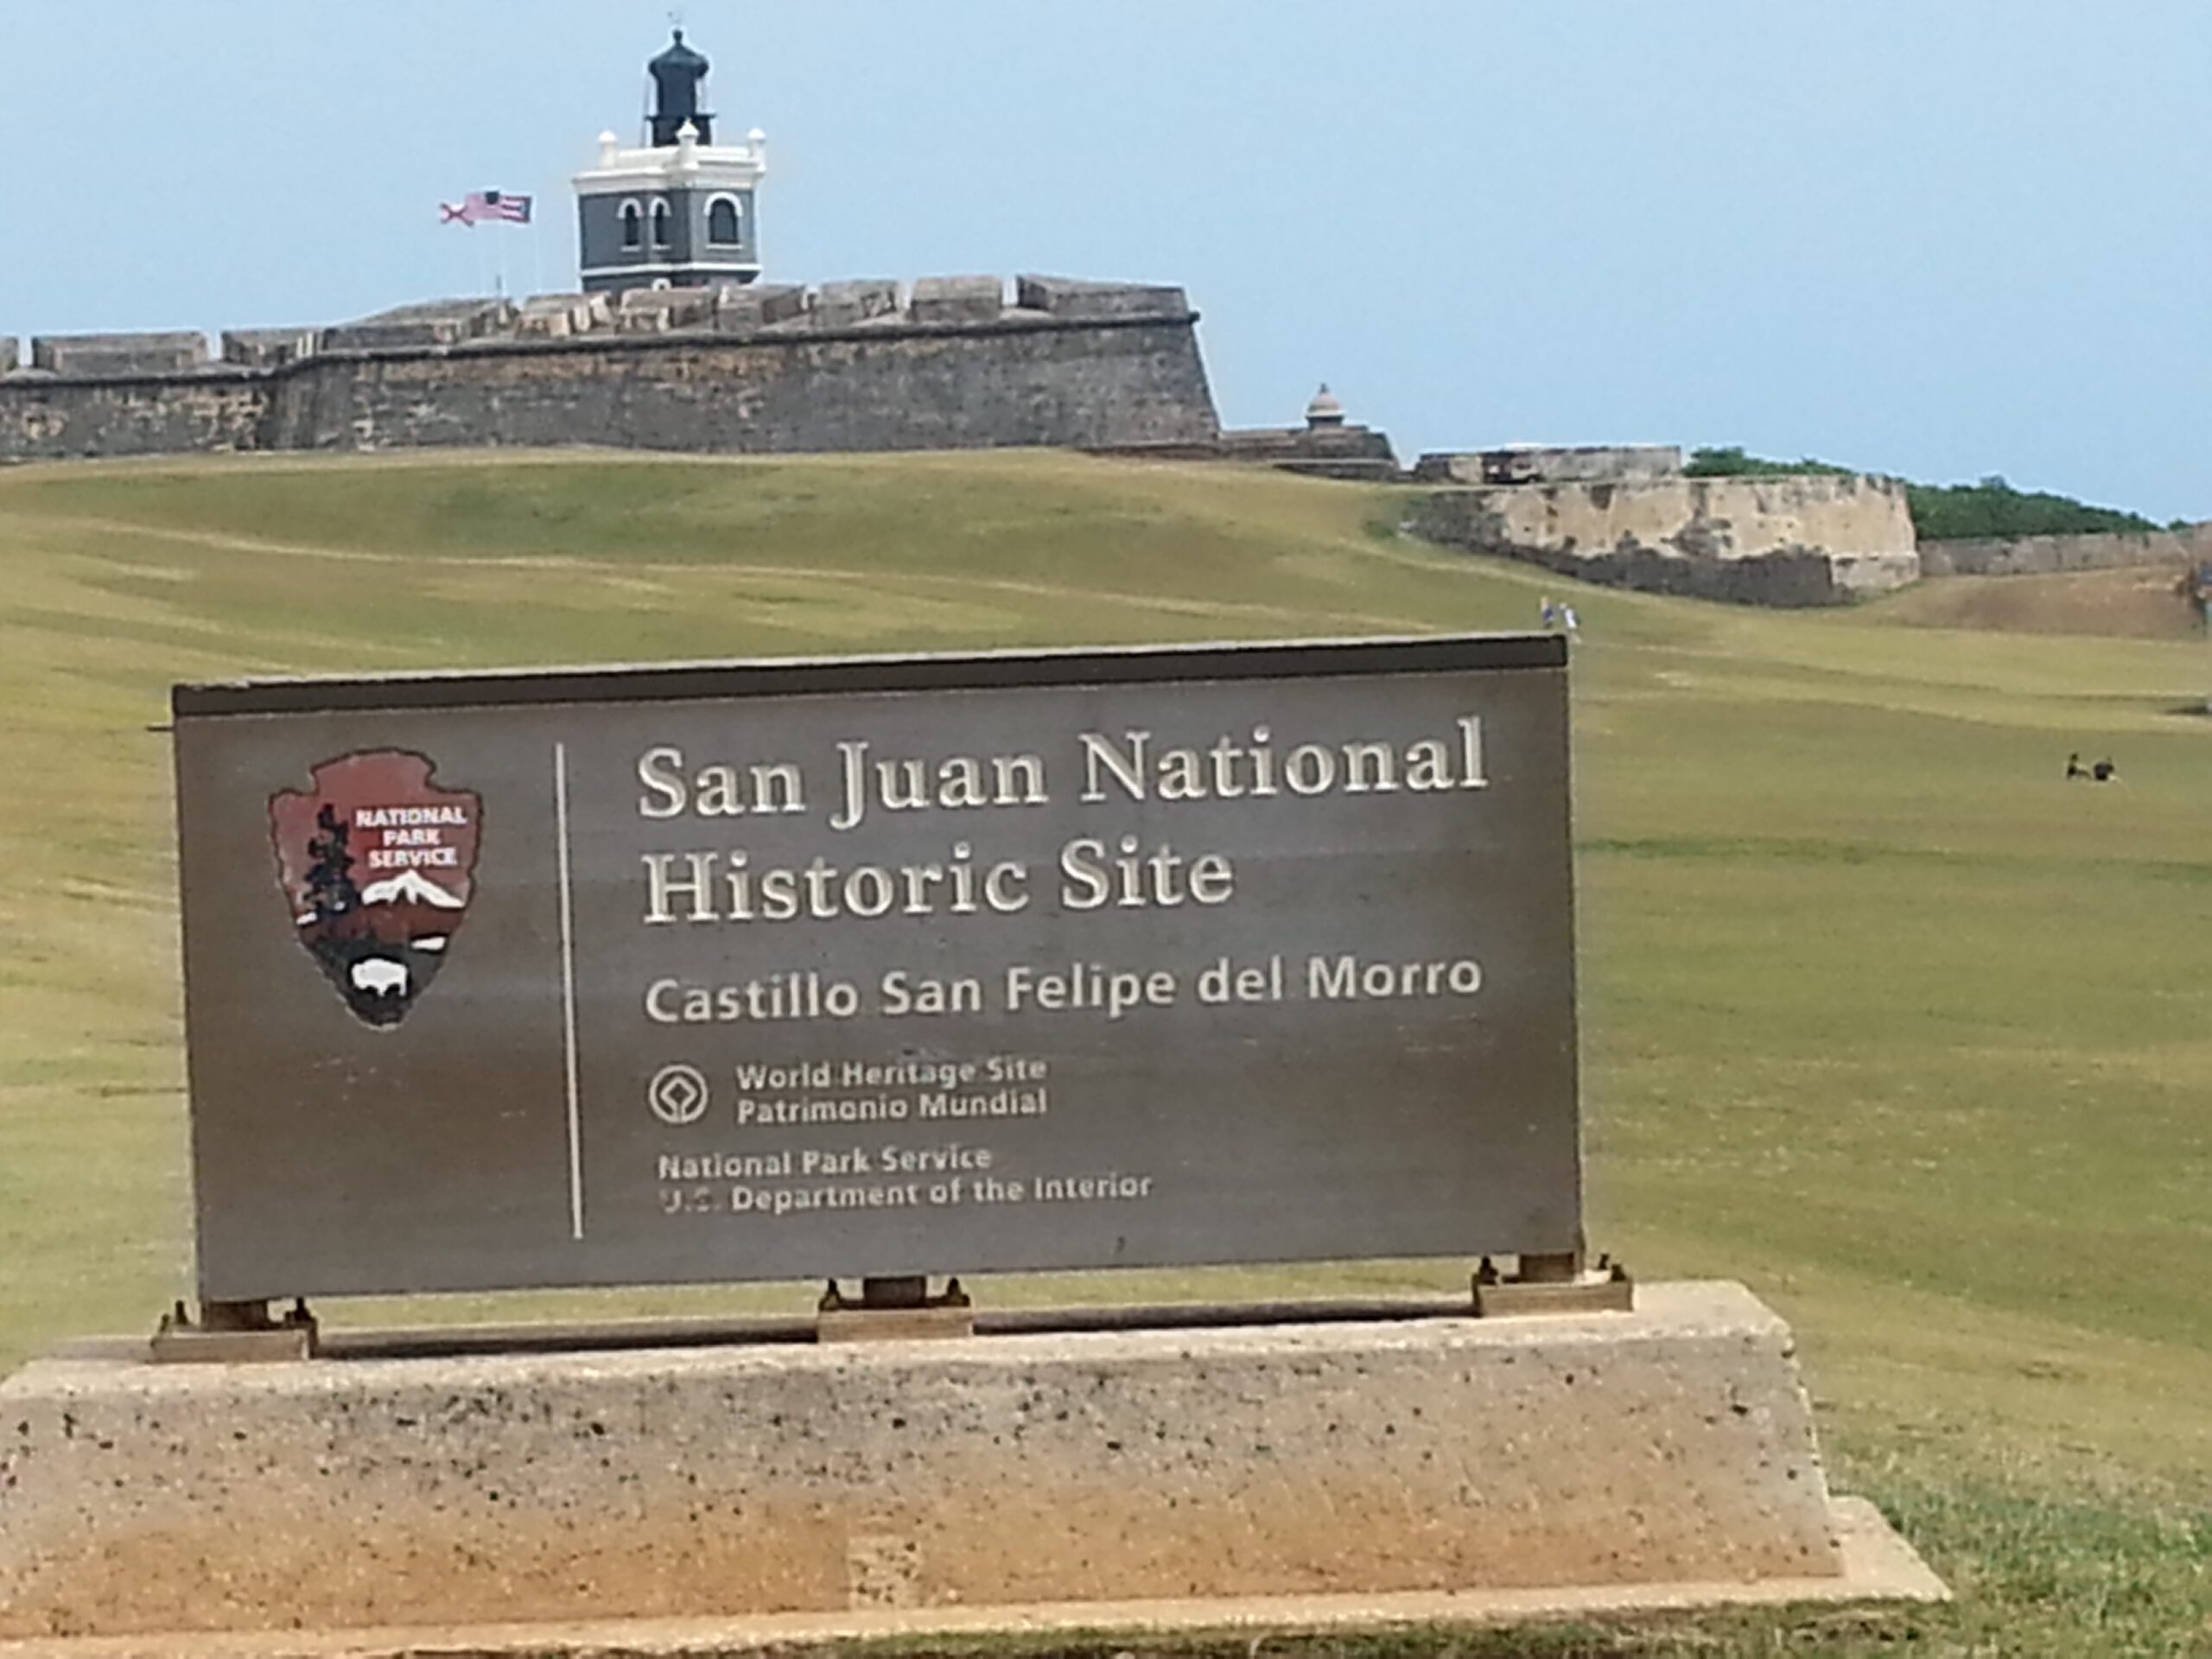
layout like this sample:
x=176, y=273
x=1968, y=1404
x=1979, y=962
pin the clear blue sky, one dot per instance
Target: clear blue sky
x=1939, y=238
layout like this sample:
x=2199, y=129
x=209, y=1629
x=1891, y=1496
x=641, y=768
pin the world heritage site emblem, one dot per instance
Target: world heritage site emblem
x=378, y=864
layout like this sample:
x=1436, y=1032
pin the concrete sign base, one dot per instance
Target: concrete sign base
x=1581, y=1462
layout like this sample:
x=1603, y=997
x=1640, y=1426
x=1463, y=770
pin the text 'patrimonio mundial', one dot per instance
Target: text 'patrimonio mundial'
x=1092, y=873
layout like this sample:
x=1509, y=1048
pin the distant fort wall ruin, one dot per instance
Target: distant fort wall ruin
x=2045, y=555
x=1815, y=539
x=864, y=365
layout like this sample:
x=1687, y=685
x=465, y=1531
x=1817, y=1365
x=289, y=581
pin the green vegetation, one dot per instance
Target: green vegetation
x=1993, y=507
x=1947, y=511
x=1734, y=463
x=1880, y=1015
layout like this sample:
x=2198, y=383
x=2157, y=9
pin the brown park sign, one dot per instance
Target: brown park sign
x=932, y=965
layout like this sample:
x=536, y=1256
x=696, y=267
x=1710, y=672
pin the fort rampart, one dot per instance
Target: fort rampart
x=948, y=365
x=2045, y=555
x=1794, y=541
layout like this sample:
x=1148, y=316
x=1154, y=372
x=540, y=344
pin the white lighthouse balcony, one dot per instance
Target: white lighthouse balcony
x=686, y=164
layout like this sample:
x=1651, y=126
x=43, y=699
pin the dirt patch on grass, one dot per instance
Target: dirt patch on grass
x=2140, y=604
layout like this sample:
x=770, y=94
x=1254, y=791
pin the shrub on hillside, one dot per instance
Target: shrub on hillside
x=1733, y=462
x=1993, y=507
x=1946, y=511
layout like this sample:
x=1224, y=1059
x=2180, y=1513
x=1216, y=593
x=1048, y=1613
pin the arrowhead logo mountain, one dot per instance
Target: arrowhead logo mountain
x=378, y=865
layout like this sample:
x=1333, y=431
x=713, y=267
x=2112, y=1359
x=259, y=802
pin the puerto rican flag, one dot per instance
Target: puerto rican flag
x=478, y=205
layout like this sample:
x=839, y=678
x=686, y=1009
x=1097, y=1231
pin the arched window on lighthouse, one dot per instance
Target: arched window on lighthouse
x=634, y=226
x=660, y=223
x=722, y=222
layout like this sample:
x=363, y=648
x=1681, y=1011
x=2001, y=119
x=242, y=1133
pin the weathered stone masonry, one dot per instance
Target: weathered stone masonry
x=62, y=417
x=1072, y=364
x=2045, y=555
x=1799, y=541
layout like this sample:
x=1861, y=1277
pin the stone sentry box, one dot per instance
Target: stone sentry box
x=880, y=966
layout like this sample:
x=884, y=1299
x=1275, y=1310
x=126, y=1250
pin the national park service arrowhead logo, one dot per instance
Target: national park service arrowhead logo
x=378, y=865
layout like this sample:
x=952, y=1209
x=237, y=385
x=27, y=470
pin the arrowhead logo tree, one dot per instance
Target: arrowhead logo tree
x=378, y=865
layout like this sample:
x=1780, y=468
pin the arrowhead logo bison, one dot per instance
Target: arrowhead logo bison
x=378, y=865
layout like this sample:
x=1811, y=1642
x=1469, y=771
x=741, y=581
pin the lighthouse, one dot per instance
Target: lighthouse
x=678, y=211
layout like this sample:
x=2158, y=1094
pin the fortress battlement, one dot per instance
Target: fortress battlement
x=595, y=321
x=946, y=362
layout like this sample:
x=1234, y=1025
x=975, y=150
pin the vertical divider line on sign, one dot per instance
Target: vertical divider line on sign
x=568, y=991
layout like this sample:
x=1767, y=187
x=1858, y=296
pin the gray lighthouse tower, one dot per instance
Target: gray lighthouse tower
x=679, y=212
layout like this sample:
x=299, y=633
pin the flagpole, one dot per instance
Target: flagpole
x=499, y=210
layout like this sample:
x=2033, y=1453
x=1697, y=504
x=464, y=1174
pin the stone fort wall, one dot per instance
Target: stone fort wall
x=2043, y=556
x=1795, y=541
x=946, y=364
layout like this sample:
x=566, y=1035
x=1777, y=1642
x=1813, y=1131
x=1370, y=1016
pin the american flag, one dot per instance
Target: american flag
x=486, y=204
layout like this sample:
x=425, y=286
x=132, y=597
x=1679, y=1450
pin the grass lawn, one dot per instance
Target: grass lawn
x=1881, y=1015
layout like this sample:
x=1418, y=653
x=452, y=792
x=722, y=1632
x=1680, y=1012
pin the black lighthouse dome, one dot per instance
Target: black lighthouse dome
x=679, y=77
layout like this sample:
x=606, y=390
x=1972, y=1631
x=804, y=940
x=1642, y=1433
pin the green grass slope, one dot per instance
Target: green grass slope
x=2143, y=603
x=1881, y=1015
